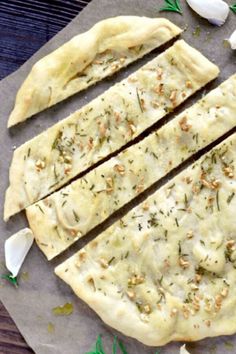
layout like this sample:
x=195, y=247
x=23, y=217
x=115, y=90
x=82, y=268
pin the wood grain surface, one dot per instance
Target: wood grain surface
x=25, y=26
x=11, y=340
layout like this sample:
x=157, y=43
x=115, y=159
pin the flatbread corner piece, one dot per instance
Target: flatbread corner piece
x=105, y=124
x=166, y=271
x=87, y=58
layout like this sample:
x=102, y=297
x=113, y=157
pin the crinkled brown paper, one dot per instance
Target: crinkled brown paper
x=31, y=304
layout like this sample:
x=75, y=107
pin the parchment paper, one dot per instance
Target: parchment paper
x=31, y=304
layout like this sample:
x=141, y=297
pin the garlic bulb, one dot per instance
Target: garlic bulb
x=183, y=350
x=16, y=248
x=215, y=11
x=232, y=40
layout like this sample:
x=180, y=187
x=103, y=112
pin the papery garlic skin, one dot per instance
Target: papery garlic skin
x=232, y=40
x=16, y=248
x=183, y=350
x=215, y=11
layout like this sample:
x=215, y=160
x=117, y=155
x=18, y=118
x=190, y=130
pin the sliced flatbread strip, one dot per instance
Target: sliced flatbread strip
x=45, y=163
x=87, y=58
x=166, y=271
x=70, y=213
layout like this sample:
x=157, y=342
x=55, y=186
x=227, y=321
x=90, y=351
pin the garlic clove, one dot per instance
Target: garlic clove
x=232, y=40
x=16, y=248
x=215, y=11
x=183, y=350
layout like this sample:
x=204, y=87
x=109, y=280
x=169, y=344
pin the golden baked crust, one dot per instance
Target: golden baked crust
x=87, y=58
x=76, y=209
x=105, y=124
x=166, y=271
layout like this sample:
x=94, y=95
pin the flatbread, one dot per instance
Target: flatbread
x=87, y=58
x=69, y=214
x=166, y=271
x=105, y=124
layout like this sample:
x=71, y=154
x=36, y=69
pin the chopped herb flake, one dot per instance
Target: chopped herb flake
x=57, y=140
x=176, y=221
x=218, y=200
x=180, y=249
x=37, y=205
x=127, y=254
x=111, y=260
x=185, y=200
x=139, y=100
x=230, y=197
x=77, y=219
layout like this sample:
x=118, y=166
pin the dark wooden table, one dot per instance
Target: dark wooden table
x=25, y=25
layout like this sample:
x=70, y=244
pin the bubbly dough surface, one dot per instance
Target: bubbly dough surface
x=88, y=58
x=166, y=271
x=105, y=124
x=76, y=209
